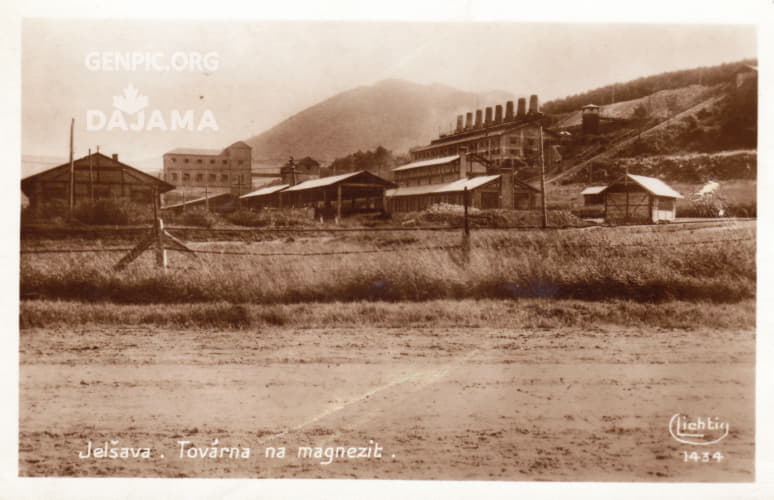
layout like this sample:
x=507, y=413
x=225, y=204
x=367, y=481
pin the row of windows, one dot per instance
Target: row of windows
x=210, y=177
x=212, y=162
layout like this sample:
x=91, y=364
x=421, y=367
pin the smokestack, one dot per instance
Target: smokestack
x=498, y=114
x=522, y=110
x=533, y=104
x=459, y=123
x=478, y=118
x=115, y=157
x=509, y=111
x=468, y=120
x=488, y=120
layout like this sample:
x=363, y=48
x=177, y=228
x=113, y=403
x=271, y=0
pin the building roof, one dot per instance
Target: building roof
x=195, y=151
x=590, y=106
x=211, y=196
x=426, y=163
x=266, y=191
x=654, y=186
x=335, y=179
x=449, y=187
x=105, y=163
x=593, y=190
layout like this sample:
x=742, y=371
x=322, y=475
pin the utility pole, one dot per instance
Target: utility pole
x=72, y=169
x=542, y=179
x=91, y=178
x=626, y=188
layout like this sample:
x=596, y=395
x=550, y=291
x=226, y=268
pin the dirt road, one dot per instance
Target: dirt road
x=489, y=404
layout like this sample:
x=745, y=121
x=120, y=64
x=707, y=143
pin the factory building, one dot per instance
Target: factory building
x=214, y=171
x=494, y=144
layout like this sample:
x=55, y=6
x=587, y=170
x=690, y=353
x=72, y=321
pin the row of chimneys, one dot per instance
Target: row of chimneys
x=488, y=120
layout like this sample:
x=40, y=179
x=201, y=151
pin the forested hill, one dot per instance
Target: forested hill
x=641, y=87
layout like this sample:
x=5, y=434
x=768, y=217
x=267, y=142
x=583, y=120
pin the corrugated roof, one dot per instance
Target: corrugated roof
x=449, y=187
x=194, y=151
x=266, y=191
x=426, y=163
x=323, y=181
x=594, y=190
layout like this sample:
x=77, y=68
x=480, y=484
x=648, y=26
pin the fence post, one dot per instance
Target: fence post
x=158, y=229
x=466, y=228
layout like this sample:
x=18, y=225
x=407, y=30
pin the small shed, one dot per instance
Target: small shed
x=636, y=198
x=593, y=195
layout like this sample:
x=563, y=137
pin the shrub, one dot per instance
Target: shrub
x=246, y=217
x=196, y=216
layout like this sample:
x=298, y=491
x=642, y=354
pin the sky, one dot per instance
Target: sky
x=268, y=71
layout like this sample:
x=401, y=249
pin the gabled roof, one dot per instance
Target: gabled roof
x=426, y=163
x=104, y=162
x=335, y=179
x=593, y=190
x=239, y=144
x=654, y=186
x=266, y=191
x=449, y=187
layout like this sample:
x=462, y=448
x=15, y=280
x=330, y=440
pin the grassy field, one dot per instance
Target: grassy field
x=646, y=264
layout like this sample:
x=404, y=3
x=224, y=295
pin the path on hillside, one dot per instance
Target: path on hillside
x=629, y=139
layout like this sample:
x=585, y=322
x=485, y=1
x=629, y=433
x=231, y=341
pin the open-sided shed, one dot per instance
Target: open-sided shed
x=338, y=194
x=636, y=198
x=483, y=192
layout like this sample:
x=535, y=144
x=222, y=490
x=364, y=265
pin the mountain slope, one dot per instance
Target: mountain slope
x=394, y=114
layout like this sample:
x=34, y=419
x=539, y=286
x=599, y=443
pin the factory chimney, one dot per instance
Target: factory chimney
x=468, y=121
x=522, y=108
x=459, y=124
x=509, y=111
x=488, y=120
x=498, y=114
x=533, y=104
x=478, y=118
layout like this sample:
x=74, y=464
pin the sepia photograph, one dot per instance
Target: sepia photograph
x=448, y=251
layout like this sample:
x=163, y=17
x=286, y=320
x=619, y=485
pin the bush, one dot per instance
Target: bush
x=107, y=212
x=197, y=216
x=246, y=217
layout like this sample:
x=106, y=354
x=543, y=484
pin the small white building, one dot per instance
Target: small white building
x=639, y=199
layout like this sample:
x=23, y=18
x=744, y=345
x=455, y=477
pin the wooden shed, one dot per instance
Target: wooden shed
x=639, y=199
x=338, y=195
x=95, y=176
x=483, y=192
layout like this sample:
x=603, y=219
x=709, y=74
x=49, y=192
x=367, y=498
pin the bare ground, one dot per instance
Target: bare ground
x=444, y=403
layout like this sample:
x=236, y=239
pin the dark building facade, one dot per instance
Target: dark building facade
x=218, y=171
x=95, y=177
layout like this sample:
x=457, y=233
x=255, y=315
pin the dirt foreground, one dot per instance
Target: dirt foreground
x=400, y=403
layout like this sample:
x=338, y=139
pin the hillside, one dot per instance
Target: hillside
x=394, y=114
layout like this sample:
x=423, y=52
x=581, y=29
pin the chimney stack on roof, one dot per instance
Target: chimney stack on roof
x=533, y=104
x=459, y=124
x=478, y=118
x=509, y=111
x=115, y=157
x=468, y=121
x=522, y=110
x=488, y=119
x=498, y=114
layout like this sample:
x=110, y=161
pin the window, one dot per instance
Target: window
x=186, y=177
x=185, y=160
x=174, y=177
x=223, y=177
x=199, y=177
x=174, y=160
x=241, y=162
x=199, y=160
x=212, y=162
x=225, y=162
x=213, y=177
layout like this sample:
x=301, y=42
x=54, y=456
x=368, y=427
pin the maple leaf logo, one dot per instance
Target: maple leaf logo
x=131, y=102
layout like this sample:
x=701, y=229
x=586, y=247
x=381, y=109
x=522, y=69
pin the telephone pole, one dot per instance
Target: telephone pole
x=542, y=179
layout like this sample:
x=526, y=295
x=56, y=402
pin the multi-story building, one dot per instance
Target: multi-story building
x=480, y=156
x=227, y=170
x=510, y=139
